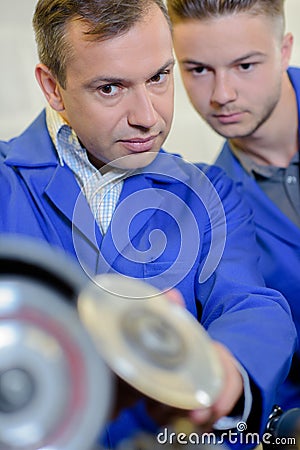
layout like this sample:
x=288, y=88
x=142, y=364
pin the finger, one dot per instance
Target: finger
x=175, y=296
x=202, y=417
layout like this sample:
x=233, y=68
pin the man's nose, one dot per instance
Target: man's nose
x=224, y=90
x=142, y=112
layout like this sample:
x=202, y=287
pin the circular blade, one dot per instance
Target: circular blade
x=155, y=345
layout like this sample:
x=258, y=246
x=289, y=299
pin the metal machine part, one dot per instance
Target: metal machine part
x=155, y=345
x=55, y=390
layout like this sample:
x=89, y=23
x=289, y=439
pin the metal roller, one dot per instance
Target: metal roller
x=55, y=391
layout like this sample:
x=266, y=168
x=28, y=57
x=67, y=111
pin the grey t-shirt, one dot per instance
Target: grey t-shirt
x=281, y=185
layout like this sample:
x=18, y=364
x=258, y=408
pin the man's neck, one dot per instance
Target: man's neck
x=276, y=141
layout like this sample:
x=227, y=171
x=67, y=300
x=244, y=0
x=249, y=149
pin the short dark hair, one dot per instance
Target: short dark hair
x=180, y=10
x=104, y=19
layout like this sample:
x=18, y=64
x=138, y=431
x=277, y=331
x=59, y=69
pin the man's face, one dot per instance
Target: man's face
x=232, y=70
x=119, y=92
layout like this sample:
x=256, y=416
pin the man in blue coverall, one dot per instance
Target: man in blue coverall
x=89, y=176
x=234, y=59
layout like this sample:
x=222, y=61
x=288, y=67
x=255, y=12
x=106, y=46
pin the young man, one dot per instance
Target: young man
x=234, y=59
x=89, y=176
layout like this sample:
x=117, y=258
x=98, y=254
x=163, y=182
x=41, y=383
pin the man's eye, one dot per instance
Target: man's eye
x=156, y=78
x=246, y=66
x=108, y=89
x=198, y=70
x=159, y=77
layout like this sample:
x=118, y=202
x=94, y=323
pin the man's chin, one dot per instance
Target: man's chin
x=133, y=161
x=229, y=132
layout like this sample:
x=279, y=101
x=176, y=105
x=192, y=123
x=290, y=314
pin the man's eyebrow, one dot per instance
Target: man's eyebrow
x=118, y=80
x=248, y=56
x=170, y=63
x=192, y=62
x=102, y=79
x=238, y=60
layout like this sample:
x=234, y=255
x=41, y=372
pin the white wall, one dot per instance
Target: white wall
x=21, y=99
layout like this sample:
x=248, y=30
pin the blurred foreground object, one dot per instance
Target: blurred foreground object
x=55, y=391
x=153, y=344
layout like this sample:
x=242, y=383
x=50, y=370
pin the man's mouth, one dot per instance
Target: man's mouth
x=228, y=118
x=138, y=144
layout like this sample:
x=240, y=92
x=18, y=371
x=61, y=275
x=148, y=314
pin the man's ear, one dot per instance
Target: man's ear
x=50, y=87
x=286, y=50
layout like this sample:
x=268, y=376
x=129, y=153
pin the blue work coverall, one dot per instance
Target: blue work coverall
x=175, y=225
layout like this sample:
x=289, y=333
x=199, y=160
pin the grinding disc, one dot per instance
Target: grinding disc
x=156, y=346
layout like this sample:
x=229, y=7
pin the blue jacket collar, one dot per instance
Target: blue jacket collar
x=34, y=147
x=34, y=150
